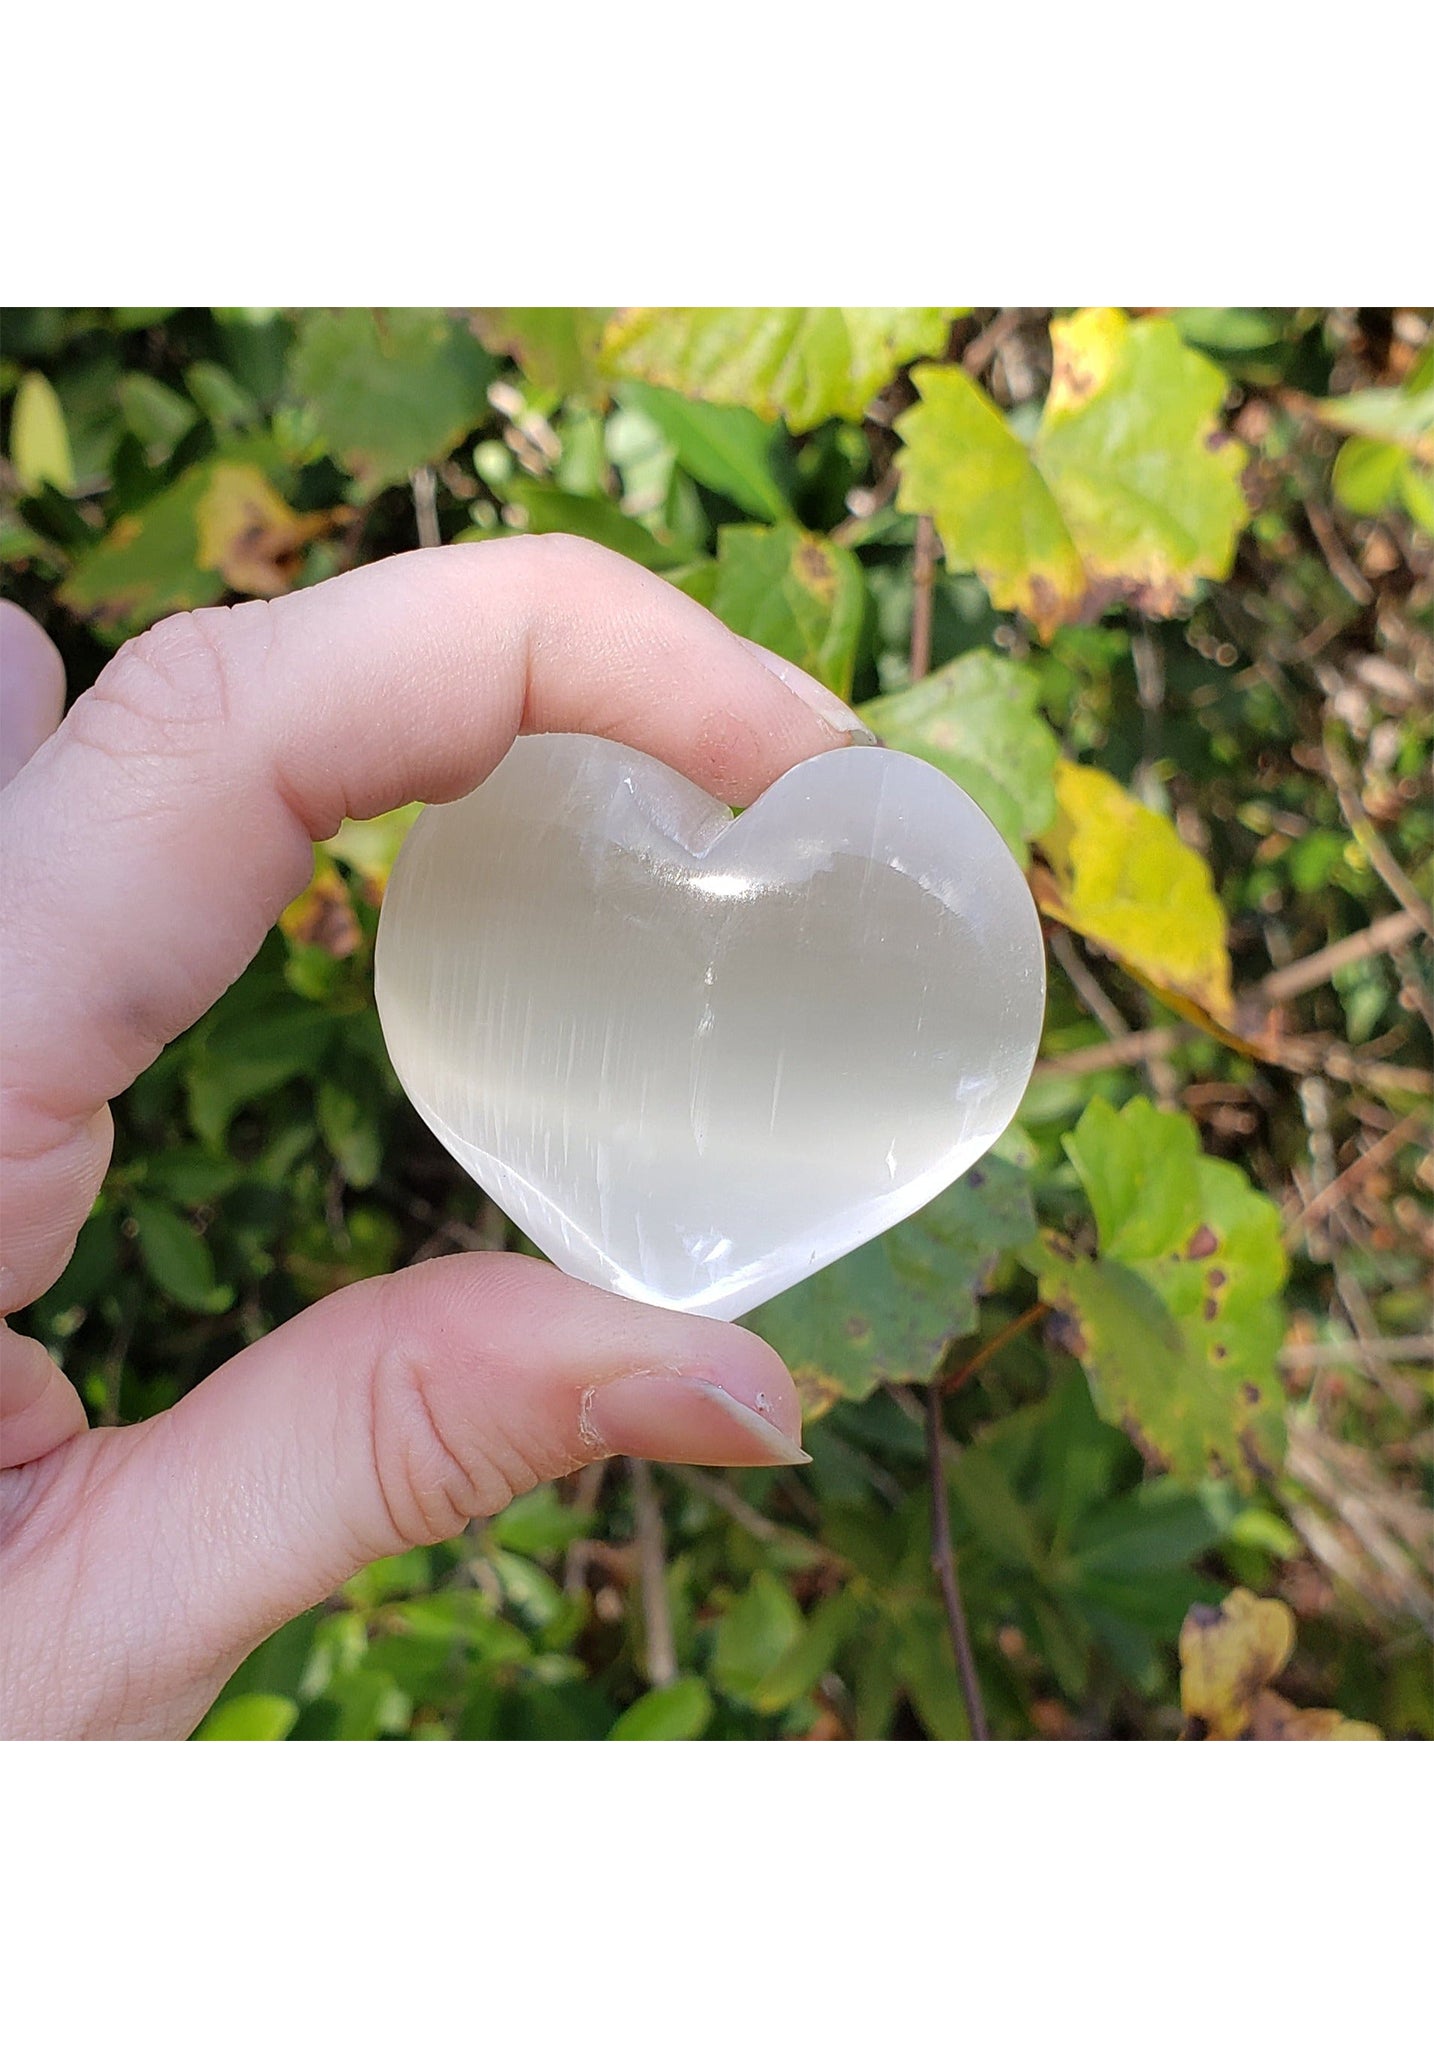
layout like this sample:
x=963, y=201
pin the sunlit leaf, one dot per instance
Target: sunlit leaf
x=250, y=1717
x=805, y=364
x=1120, y=874
x=1129, y=492
x=39, y=439
x=725, y=447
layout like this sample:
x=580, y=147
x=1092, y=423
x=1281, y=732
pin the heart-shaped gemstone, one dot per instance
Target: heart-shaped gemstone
x=696, y=1057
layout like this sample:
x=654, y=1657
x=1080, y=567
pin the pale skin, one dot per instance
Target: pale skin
x=150, y=839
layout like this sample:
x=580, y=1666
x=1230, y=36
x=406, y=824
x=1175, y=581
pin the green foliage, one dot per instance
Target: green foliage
x=794, y=593
x=1108, y=1298
x=890, y=1309
x=977, y=719
x=390, y=390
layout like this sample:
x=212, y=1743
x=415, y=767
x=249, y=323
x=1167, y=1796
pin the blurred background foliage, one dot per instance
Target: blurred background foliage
x=1154, y=586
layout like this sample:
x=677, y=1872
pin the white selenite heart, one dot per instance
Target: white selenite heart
x=695, y=1057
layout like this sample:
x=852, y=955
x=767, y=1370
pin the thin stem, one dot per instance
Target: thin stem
x=943, y=1563
x=923, y=595
x=660, y=1651
x=997, y=1343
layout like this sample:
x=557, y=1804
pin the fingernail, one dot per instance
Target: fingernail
x=827, y=705
x=683, y=1421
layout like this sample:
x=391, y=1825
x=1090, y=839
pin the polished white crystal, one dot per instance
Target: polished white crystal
x=695, y=1057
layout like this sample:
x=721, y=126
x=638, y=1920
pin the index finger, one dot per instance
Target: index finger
x=150, y=843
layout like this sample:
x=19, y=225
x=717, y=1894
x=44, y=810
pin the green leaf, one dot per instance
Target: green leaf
x=888, y=1310
x=1127, y=493
x=557, y=346
x=1177, y=1321
x=39, y=439
x=391, y=389
x=158, y=417
x=550, y=510
x=251, y=1717
x=237, y=1063
x=803, y=363
x=799, y=595
x=810, y=1656
x=725, y=447
x=351, y=1133
x=754, y=1633
x=977, y=720
x=679, y=1713
x=1120, y=874
x=1157, y=1528
x=177, y=1259
x=174, y=553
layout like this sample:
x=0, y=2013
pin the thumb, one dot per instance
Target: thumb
x=387, y=1416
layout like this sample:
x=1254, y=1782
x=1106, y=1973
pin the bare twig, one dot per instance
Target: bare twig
x=585, y=1498
x=1086, y=986
x=1368, y=839
x=659, y=1650
x=943, y=1563
x=1388, y=1350
x=724, y=1495
x=1329, y=1197
x=425, y=507
x=1385, y=935
x=997, y=1343
x=923, y=595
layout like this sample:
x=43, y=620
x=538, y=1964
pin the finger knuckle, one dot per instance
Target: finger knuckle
x=431, y=1476
x=168, y=692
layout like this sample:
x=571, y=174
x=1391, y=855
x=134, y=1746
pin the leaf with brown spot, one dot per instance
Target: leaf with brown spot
x=889, y=1309
x=1127, y=493
x=1228, y=1655
x=802, y=596
x=246, y=532
x=1180, y=1351
x=322, y=915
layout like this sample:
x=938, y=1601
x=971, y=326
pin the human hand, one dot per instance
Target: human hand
x=149, y=843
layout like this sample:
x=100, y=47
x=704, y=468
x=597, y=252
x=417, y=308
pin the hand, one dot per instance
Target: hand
x=149, y=843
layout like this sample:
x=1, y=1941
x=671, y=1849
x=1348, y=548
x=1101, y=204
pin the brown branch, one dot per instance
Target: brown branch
x=923, y=595
x=724, y=1495
x=997, y=1343
x=659, y=1649
x=1388, y=1350
x=943, y=1563
x=1385, y=935
x=1331, y=1196
x=1368, y=839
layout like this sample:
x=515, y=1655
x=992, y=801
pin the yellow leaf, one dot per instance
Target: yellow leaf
x=247, y=532
x=1228, y=1654
x=370, y=845
x=1273, y=1719
x=323, y=915
x=1121, y=875
x=39, y=438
